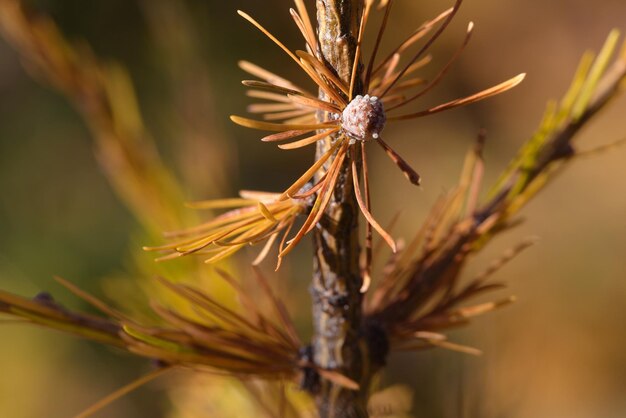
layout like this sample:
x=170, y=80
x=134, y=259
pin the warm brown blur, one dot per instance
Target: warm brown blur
x=560, y=351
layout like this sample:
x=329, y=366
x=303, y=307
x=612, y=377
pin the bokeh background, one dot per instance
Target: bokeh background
x=560, y=351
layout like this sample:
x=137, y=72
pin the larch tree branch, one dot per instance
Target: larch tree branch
x=337, y=300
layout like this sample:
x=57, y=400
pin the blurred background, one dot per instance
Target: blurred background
x=560, y=351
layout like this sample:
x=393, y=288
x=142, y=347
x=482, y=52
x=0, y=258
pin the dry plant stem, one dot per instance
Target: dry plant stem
x=337, y=300
x=561, y=147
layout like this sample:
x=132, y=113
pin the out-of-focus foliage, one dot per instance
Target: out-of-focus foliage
x=421, y=290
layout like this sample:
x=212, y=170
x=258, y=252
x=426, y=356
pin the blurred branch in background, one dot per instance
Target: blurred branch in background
x=205, y=156
x=241, y=342
x=420, y=293
x=103, y=94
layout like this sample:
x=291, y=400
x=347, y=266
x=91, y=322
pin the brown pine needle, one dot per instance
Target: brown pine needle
x=388, y=77
x=314, y=103
x=266, y=212
x=281, y=246
x=95, y=302
x=357, y=54
x=592, y=152
x=379, y=37
x=279, y=127
x=315, y=68
x=257, y=216
x=492, y=91
x=306, y=21
x=270, y=107
x=367, y=277
x=299, y=184
x=238, y=226
x=303, y=120
x=329, y=184
x=266, y=249
x=270, y=87
x=279, y=44
x=167, y=257
x=323, y=70
x=288, y=114
x=220, y=203
x=310, y=40
x=366, y=212
x=472, y=311
x=508, y=255
x=268, y=76
x=380, y=84
x=417, y=34
x=226, y=218
x=406, y=169
x=104, y=402
x=207, y=303
x=313, y=189
x=258, y=195
x=283, y=136
x=338, y=379
x=426, y=46
x=265, y=95
x=406, y=85
x=279, y=307
x=322, y=199
x=444, y=70
x=456, y=347
x=430, y=336
x=310, y=140
x=250, y=237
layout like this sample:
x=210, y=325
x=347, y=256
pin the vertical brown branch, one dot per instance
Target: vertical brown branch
x=337, y=343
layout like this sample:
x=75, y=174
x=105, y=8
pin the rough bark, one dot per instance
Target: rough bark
x=337, y=311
